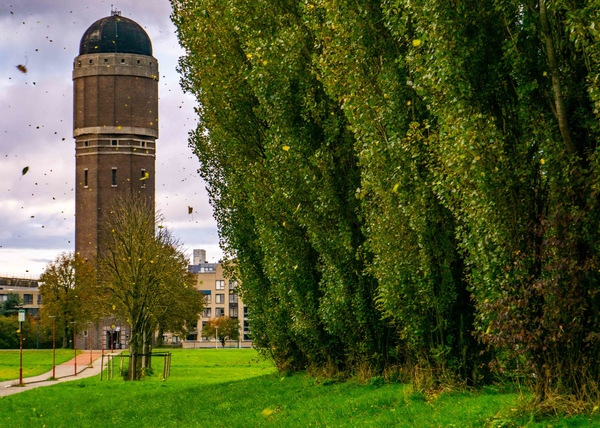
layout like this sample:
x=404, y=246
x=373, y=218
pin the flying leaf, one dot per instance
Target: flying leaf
x=416, y=43
x=190, y=210
x=286, y=148
x=146, y=175
x=25, y=170
x=23, y=68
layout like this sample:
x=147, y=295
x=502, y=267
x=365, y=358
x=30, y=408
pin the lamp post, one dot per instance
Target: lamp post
x=21, y=319
x=75, y=344
x=53, y=346
x=90, y=339
x=37, y=343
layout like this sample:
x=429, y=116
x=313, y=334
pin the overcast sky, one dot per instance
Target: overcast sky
x=36, y=130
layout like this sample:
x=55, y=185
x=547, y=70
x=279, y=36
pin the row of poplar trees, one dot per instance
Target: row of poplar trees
x=407, y=183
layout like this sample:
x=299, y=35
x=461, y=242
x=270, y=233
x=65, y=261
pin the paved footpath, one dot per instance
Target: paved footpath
x=64, y=372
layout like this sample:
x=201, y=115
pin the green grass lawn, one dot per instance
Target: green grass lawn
x=35, y=362
x=233, y=388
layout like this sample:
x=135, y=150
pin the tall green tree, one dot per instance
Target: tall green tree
x=279, y=161
x=398, y=174
x=511, y=86
x=69, y=292
x=143, y=269
x=411, y=234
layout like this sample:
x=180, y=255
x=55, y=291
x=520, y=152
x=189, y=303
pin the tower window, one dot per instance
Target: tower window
x=138, y=61
x=143, y=178
x=114, y=177
x=122, y=60
x=85, y=177
x=86, y=143
x=105, y=60
x=78, y=63
x=91, y=61
x=113, y=142
x=143, y=143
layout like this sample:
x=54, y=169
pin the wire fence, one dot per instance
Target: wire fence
x=124, y=361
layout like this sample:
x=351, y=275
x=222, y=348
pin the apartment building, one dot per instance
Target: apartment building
x=28, y=291
x=221, y=298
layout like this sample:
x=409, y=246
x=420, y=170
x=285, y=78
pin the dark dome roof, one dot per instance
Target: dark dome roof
x=115, y=34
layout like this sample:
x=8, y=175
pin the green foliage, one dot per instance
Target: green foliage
x=10, y=305
x=34, y=336
x=142, y=270
x=392, y=176
x=279, y=161
x=516, y=142
x=224, y=328
x=69, y=291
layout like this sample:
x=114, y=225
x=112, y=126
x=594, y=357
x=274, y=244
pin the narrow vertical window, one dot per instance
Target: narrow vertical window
x=143, y=178
x=85, y=177
x=113, y=142
x=114, y=177
x=86, y=144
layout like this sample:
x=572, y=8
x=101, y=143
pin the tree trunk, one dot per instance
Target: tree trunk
x=159, y=339
x=144, y=349
x=561, y=112
x=148, y=350
x=135, y=348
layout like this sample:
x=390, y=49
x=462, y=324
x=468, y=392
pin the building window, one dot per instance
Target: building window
x=246, y=330
x=114, y=142
x=233, y=284
x=86, y=143
x=233, y=298
x=3, y=297
x=85, y=177
x=142, y=143
x=245, y=311
x=143, y=177
x=219, y=312
x=39, y=299
x=206, y=313
x=91, y=61
x=114, y=177
x=207, y=298
x=219, y=298
x=122, y=60
x=105, y=60
x=220, y=284
x=28, y=299
x=138, y=61
x=78, y=63
x=233, y=312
